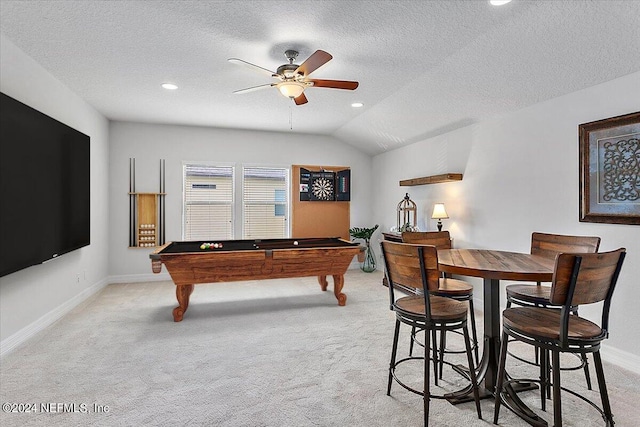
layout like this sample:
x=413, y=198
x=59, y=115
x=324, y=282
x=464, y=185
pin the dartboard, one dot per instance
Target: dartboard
x=322, y=189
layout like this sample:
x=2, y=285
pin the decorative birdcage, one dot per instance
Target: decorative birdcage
x=407, y=215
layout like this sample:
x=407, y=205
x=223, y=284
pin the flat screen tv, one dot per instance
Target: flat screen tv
x=44, y=187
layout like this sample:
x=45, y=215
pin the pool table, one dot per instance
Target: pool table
x=234, y=260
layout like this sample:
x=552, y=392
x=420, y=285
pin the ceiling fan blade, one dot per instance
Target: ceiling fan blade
x=302, y=99
x=334, y=84
x=315, y=61
x=253, y=88
x=250, y=65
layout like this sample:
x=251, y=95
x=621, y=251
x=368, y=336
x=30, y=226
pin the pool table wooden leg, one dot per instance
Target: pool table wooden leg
x=183, y=292
x=323, y=282
x=338, y=283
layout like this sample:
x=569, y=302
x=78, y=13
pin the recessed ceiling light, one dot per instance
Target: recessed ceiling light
x=357, y=104
x=169, y=86
x=499, y=2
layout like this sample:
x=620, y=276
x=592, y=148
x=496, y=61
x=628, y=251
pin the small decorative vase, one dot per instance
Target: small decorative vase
x=369, y=264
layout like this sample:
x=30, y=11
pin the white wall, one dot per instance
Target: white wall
x=37, y=295
x=148, y=143
x=521, y=175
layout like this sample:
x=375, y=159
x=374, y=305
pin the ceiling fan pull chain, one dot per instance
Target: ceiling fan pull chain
x=290, y=118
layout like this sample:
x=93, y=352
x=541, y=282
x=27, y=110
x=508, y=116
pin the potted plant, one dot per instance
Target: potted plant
x=369, y=263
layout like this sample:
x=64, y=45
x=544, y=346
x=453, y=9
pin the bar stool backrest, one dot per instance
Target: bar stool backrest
x=550, y=245
x=580, y=279
x=439, y=239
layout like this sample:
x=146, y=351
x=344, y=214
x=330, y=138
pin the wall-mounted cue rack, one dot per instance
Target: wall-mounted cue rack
x=146, y=212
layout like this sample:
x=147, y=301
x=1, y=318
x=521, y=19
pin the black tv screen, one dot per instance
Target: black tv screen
x=44, y=183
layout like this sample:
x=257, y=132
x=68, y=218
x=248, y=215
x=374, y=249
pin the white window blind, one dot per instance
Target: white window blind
x=265, y=203
x=208, y=202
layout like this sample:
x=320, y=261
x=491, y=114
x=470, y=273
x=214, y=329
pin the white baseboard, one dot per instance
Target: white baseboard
x=137, y=278
x=612, y=355
x=620, y=358
x=24, y=334
x=8, y=344
x=623, y=359
x=354, y=265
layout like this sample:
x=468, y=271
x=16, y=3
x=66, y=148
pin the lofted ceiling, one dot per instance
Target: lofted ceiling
x=424, y=67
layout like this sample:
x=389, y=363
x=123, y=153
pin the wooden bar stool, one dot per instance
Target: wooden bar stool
x=579, y=278
x=451, y=288
x=416, y=266
x=528, y=295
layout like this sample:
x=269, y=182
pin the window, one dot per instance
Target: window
x=265, y=204
x=209, y=203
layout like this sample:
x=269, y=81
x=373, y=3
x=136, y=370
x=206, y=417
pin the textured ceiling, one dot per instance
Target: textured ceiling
x=424, y=67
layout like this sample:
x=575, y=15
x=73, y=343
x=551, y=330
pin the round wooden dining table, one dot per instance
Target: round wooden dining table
x=492, y=266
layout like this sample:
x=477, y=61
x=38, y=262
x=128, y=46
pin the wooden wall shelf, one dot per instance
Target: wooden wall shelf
x=434, y=179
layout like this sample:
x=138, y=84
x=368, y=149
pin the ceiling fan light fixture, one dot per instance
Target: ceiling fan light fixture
x=293, y=79
x=291, y=89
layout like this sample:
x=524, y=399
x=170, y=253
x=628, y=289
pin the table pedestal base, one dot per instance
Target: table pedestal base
x=511, y=400
x=487, y=377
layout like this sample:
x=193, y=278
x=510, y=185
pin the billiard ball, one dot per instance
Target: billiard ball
x=202, y=246
x=215, y=245
x=295, y=243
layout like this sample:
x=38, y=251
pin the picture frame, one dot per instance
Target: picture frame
x=610, y=170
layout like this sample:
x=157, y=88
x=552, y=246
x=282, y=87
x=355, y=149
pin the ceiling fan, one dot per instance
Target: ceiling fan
x=294, y=78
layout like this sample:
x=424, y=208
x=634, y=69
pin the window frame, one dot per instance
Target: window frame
x=238, y=202
x=287, y=168
x=211, y=164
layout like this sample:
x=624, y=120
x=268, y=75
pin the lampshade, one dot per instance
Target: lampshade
x=291, y=89
x=439, y=212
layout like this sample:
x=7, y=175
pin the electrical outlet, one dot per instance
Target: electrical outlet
x=78, y=278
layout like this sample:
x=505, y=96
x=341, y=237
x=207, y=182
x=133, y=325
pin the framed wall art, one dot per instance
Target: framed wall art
x=610, y=170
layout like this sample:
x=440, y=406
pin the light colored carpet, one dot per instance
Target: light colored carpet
x=256, y=353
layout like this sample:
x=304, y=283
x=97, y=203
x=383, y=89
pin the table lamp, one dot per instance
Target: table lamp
x=439, y=213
